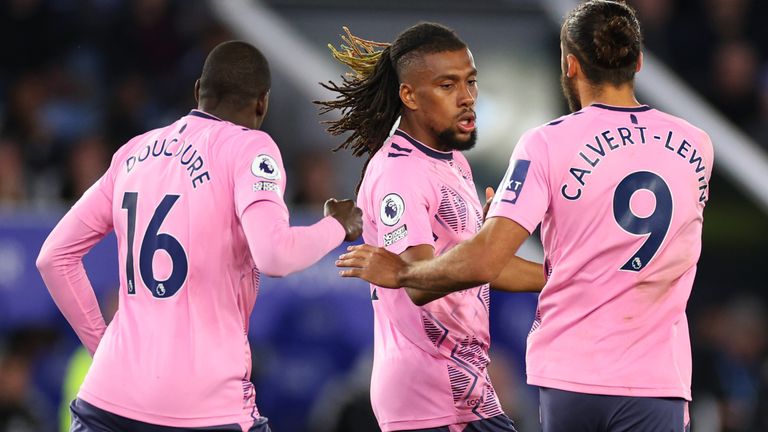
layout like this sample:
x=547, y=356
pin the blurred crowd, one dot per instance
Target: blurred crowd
x=730, y=379
x=78, y=78
x=720, y=48
x=104, y=70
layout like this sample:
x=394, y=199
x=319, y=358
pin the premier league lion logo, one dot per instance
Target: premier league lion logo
x=265, y=166
x=392, y=209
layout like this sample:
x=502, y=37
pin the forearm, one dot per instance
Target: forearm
x=279, y=249
x=61, y=267
x=473, y=262
x=415, y=254
x=453, y=271
x=520, y=275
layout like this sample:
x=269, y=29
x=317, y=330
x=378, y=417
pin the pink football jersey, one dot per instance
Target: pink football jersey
x=176, y=352
x=430, y=362
x=620, y=194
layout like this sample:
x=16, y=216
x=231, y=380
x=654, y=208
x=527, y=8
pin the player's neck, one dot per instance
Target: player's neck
x=420, y=133
x=622, y=96
x=238, y=117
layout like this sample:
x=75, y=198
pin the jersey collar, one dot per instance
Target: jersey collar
x=425, y=149
x=640, y=108
x=202, y=114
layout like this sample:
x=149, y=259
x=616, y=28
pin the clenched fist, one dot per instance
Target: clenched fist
x=349, y=216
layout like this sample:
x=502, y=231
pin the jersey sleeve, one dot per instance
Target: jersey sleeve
x=287, y=249
x=61, y=267
x=523, y=194
x=258, y=171
x=405, y=208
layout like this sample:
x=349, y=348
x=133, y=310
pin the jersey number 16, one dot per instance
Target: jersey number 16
x=153, y=241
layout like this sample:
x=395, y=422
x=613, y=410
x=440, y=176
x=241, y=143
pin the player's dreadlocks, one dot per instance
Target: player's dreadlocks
x=369, y=97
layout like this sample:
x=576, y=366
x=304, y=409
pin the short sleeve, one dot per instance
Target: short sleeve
x=523, y=194
x=259, y=174
x=404, y=210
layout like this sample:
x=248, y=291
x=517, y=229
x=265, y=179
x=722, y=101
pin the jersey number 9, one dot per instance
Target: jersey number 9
x=655, y=225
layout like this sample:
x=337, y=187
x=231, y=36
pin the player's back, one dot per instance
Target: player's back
x=622, y=236
x=176, y=352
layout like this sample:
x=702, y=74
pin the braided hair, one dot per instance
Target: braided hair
x=369, y=96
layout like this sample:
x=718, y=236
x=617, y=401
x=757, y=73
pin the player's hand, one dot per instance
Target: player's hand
x=373, y=264
x=349, y=216
x=489, y=193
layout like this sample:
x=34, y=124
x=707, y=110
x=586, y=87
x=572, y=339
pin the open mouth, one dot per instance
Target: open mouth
x=467, y=123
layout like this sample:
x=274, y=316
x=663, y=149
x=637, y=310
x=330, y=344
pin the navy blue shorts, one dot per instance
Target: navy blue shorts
x=88, y=418
x=499, y=423
x=563, y=411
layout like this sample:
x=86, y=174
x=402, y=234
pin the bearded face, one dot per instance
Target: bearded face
x=568, y=85
x=449, y=139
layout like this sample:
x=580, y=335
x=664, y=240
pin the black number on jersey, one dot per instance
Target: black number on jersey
x=152, y=242
x=654, y=225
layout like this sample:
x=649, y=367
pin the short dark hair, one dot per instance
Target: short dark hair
x=605, y=37
x=369, y=101
x=235, y=72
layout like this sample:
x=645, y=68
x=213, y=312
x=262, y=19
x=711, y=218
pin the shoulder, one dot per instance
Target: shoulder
x=564, y=121
x=249, y=140
x=403, y=173
x=254, y=148
x=558, y=120
x=681, y=122
x=558, y=131
x=685, y=124
x=535, y=139
x=395, y=159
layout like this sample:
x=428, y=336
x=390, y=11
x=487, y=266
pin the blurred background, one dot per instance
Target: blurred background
x=78, y=78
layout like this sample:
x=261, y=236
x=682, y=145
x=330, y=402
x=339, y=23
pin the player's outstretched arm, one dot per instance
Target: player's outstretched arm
x=414, y=254
x=279, y=249
x=471, y=263
x=61, y=266
x=520, y=275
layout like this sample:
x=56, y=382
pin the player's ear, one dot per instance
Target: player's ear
x=572, y=66
x=407, y=96
x=639, y=63
x=197, y=91
x=262, y=104
x=259, y=110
